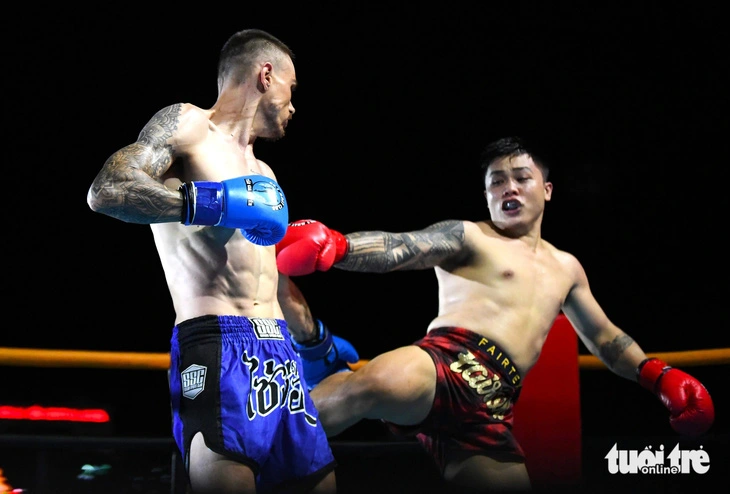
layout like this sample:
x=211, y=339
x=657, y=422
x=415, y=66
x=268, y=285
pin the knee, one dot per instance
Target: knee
x=371, y=382
x=357, y=390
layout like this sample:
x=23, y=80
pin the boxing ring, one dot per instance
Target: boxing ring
x=547, y=417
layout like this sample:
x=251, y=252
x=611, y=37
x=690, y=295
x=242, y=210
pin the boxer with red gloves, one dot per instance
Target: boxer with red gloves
x=690, y=406
x=310, y=246
x=500, y=287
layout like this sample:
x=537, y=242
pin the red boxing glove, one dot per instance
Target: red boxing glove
x=309, y=246
x=690, y=406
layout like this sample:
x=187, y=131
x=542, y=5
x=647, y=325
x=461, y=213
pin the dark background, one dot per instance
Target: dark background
x=393, y=107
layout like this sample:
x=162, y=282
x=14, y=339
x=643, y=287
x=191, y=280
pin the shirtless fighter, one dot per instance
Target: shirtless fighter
x=501, y=286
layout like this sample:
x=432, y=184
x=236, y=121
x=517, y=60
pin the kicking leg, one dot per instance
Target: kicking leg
x=397, y=386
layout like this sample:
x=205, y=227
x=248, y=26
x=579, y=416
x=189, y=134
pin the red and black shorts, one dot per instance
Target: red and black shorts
x=477, y=385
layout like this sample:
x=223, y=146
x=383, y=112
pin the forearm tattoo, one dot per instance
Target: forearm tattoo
x=128, y=180
x=381, y=252
x=611, y=352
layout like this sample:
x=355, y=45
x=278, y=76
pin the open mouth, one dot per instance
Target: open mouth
x=510, y=205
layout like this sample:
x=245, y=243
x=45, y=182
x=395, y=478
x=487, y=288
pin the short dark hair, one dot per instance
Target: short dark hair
x=242, y=50
x=510, y=147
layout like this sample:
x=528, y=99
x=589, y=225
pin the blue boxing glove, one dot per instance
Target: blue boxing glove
x=253, y=203
x=326, y=355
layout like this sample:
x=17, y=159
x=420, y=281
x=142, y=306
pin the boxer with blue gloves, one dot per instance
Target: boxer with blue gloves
x=253, y=203
x=242, y=416
x=324, y=355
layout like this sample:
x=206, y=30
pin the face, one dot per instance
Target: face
x=276, y=108
x=516, y=191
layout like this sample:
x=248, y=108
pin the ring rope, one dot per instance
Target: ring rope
x=41, y=357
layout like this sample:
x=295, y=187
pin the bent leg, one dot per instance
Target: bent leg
x=481, y=474
x=398, y=386
x=211, y=473
x=327, y=485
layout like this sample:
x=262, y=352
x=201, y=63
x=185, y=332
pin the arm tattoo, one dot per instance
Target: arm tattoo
x=610, y=352
x=381, y=252
x=128, y=180
x=161, y=126
x=153, y=140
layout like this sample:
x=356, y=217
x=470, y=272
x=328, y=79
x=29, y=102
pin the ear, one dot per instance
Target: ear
x=548, y=190
x=485, y=193
x=265, y=76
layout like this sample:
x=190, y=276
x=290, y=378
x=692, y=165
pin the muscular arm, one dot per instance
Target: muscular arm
x=616, y=349
x=691, y=410
x=381, y=252
x=129, y=185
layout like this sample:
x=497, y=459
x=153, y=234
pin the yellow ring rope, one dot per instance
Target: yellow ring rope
x=40, y=357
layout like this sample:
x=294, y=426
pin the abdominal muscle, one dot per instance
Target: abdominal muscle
x=216, y=271
x=518, y=325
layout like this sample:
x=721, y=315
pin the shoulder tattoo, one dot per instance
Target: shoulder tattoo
x=161, y=126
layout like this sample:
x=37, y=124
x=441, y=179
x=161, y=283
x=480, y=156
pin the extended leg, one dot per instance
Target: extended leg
x=397, y=386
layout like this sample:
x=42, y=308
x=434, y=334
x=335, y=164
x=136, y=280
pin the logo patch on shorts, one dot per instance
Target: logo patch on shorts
x=485, y=382
x=266, y=329
x=193, y=380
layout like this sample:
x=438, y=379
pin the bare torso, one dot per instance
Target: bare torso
x=214, y=270
x=509, y=292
